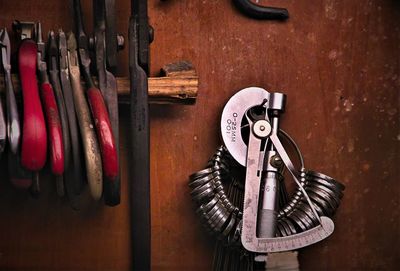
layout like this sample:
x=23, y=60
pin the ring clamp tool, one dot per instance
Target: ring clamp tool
x=259, y=164
x=241, y=195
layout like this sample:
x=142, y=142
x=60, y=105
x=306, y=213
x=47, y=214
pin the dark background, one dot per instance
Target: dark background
x=338, y=63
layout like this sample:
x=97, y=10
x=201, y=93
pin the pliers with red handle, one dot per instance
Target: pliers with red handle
x=34, y=136
x=97, y=105
x=54, y=127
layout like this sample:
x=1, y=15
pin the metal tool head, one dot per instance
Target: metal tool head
x=63, y=50
x=111, y=35
x=231, y=120
x=82, y=39
x=72, y=53
x=5, y=49
x=25, y=30
x=41, y=48
x=145, y=33
x=52, y=52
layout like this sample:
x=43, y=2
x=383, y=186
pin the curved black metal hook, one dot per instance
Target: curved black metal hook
x=255, y=11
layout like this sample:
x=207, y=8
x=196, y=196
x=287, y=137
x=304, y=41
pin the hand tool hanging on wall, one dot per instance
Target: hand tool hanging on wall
x=91, y=149
x=19, y=177
x=34, y=135
x=73, y=175
x=54, y=75
x=113, y=40
x=13, y=123
x=98, y=108
x=139, y=40
x=253, y=10
x=52, y=113
x=108, y=87
x=256, y=216
x=3, y=126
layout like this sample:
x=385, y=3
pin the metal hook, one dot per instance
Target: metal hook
x=259, y=12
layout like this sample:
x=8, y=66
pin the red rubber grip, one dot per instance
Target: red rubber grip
x=34, y=138
x=104, y=133
x=54, y=129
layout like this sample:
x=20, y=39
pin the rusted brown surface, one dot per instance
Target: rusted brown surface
x=338, y=62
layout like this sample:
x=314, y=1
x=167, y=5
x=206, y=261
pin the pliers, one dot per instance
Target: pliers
x=106, y=139
x=54, y=126
x=107, y=82
x=93, y=161
x=19, y=176
x=74, y=169
x=34, y=136
x=13, y=124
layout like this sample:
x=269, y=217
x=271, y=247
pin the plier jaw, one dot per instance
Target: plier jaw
x=41, y=54
x=52, y=52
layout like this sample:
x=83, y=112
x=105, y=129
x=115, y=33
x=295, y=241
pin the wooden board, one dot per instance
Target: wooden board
x=338, y=62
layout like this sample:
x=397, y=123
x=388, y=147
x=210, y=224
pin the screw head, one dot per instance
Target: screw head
x=276, y=161
x=262, y=128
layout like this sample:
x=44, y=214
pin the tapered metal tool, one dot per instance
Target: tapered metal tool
x=139, y=39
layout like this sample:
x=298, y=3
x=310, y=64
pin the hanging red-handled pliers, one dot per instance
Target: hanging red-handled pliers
x=107, y=85
x=96, y=101
x=34, y=137
x=51, y=110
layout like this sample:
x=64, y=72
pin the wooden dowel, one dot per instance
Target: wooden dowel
x=176, y=87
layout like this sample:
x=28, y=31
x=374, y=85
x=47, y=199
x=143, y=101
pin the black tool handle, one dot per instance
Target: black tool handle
x=255, y=11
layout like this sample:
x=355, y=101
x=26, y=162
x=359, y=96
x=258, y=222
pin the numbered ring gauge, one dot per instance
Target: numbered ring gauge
x=241, y=195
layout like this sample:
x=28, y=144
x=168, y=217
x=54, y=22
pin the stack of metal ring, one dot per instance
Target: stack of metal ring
x=297, y=216
x=218, y=192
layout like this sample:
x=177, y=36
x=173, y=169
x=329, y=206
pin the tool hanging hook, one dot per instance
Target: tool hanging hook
x=259, y=12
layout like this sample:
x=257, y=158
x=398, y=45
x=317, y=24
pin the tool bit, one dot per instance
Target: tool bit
x=108, y=87
x=91, y=147
x=74, y=172
x=34, y=137
x=139, y=36
x=54, y=125
x=13, y=123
